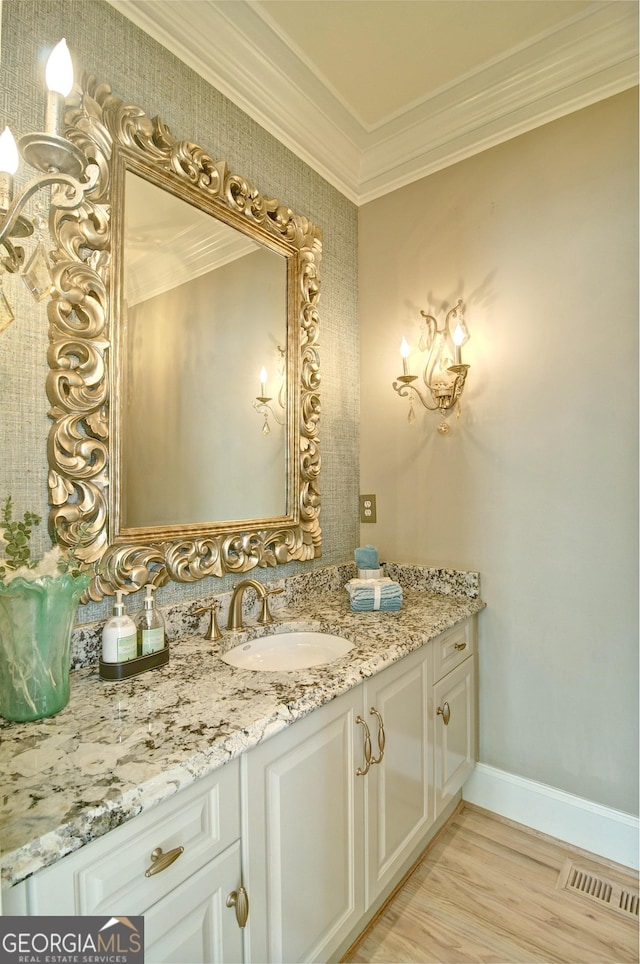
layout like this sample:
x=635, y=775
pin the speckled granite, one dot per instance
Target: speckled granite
x=119, y=748
x=182, y=619
x=447, y=581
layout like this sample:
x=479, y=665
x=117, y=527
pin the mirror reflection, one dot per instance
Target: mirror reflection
x=203, y=315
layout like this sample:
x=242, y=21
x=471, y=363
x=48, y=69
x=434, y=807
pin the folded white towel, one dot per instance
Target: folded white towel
x=369, y=583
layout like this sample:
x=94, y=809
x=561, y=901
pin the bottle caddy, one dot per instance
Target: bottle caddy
x=130, y=648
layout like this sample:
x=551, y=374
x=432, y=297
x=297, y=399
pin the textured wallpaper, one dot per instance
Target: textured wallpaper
x=140, y=71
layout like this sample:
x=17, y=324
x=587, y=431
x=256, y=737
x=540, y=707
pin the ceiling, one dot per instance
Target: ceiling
x=374, y=94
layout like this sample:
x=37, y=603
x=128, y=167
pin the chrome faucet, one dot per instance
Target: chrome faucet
x=235, y=609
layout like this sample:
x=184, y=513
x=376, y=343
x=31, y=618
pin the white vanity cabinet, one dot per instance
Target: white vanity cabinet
x=303, y=835
x=336, y=806
x=194, y=841
x=318, y=823
x=454, y=710
x=399, y=785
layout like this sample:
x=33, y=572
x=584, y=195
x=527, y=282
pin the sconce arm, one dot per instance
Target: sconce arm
x=445, y=401
x=452, y=311
x=432, y=327
x=460, y=371
x=16, y=256
x=262, y=407
x=402, y=388
x=12, y=224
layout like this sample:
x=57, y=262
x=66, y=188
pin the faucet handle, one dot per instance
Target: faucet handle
x=214, y=632
x=265, y=616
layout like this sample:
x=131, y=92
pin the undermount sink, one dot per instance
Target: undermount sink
x=283, y=651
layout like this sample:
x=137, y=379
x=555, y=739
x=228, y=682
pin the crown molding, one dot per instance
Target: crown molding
x=234, y=48
x=593, y=57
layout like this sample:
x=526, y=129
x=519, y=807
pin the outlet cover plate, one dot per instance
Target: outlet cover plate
x=368, y=508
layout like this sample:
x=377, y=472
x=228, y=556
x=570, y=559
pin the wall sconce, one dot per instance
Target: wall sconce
x=61, y=164
x=261, y=402
x=444, y=374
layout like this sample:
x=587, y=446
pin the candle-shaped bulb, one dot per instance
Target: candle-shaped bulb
x=263, y=381
x=9, y=157
x=461, y=332
x=404, y=351
x=59, y=69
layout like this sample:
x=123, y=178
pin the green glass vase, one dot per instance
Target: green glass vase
x=36, y=618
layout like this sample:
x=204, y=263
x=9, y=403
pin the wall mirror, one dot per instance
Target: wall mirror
x=181, y=295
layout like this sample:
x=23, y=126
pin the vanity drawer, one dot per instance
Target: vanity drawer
x=452, y=647
x=108, y=875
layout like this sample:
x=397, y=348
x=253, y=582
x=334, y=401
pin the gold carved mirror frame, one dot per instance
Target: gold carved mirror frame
x=82, y=384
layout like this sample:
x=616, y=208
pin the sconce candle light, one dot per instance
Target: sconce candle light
x=261, y=402
x=444, y=373
x=61, y=162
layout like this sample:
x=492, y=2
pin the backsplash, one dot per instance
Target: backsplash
x=181, y=619
x=448, y=582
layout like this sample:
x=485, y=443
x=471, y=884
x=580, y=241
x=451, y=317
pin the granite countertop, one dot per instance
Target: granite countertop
x=120, y=748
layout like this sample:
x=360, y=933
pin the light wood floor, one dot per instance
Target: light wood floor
x=486, y=891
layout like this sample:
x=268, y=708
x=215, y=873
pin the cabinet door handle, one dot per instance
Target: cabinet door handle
x=160, y=861
x=360, y=772
x=239, y=899
x=381, y=737
x=445, y=712
x=460, y=645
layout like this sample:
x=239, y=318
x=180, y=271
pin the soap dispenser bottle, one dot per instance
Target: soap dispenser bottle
x=150, y=624
x=119, y=636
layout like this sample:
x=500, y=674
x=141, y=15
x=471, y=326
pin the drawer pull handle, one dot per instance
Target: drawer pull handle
x=445, y=712
x=460, y=645
x=381, y=737
x=160, y=861
x=239, y=899
x=360, y=772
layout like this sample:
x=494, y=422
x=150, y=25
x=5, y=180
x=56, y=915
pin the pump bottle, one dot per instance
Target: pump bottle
x=150, y=626
x=119, y=636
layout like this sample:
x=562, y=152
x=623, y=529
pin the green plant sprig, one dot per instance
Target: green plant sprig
x=17, y=537
x=71, y=561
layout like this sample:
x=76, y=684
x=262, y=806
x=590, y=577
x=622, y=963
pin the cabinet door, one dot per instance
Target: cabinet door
x=399, y=788
x=303, y=835
x=194, y=923
x=455, y=731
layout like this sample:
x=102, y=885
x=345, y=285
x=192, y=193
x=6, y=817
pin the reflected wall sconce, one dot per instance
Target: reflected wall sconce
x=261, y=402
x=60, y=162
x=444, y=375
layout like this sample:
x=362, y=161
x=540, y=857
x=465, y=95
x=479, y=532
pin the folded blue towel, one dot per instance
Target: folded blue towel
x=366, y=557
x=367, y=606
x=368, y=595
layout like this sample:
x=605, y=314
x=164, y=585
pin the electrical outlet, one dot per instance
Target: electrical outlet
x=367, y=508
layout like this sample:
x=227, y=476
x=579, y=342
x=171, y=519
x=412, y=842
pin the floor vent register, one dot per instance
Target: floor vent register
x=598, y=888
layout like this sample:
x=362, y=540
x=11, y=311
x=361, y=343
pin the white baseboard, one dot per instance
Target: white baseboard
x=590, y=826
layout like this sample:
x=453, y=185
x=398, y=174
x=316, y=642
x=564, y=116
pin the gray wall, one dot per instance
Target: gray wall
x=139, y=70
x=537, y=484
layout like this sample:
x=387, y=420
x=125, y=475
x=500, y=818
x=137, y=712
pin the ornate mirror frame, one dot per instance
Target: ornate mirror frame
x=83, y=378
